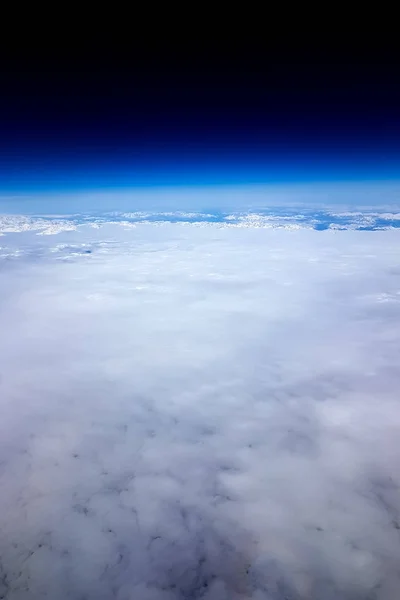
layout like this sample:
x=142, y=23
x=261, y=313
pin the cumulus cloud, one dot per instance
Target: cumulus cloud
x=200, y=413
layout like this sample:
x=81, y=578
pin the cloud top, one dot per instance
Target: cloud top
x=200, y=413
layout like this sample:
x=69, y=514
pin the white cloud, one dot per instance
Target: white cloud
x=200, y=413
x=43, y=226
x=278, y=217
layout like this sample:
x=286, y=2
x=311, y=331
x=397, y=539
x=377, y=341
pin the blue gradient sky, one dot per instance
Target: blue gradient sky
x=110, y=138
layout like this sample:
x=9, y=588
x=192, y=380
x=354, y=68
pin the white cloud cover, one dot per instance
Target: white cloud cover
x=200, y=413
x=278, y=217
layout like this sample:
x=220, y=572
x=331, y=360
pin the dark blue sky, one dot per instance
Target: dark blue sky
x=192, y=119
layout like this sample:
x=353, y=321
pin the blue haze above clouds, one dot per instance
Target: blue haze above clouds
x=205, y=408
x=382, y=194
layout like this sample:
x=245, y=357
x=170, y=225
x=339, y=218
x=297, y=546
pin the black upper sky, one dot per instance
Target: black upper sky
x=156, y=108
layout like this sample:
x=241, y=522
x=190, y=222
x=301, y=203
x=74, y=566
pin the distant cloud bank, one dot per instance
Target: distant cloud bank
x=276, y=218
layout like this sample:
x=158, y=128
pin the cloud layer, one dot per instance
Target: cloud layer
x=278, y=217
x=200, y=413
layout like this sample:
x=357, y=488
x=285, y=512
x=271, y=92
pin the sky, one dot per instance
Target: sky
x=162, y=119
x=197, y=412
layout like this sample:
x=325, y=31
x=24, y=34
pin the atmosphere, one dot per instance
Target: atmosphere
x=200, y=322
x=242, y=117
